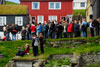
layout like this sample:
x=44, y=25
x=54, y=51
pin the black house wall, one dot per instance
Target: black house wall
x=10, y=19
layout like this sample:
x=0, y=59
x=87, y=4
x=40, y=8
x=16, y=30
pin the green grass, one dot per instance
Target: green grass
x=9, y=49
x=58, y=63
x=11, y=3
x=81, y=11
x=79, y=38
x=14, y=9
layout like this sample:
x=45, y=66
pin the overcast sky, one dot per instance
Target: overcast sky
x=16, y=1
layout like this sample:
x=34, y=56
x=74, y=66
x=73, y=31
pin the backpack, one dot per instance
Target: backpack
x=83, y=27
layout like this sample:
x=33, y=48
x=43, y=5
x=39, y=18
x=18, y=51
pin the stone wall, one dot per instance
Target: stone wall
x=1, y=56
x=80, y=61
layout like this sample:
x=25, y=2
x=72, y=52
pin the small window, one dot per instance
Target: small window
x=19, y=21
x=82, y=4
x=54, y=5
x=33, y=18
x=40, y=19
x=35, y=5
x=63, y=18
x=2, y=20
x=52, y=18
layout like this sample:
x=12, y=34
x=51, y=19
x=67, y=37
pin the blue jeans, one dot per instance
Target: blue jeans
x=83, y=33
x=60, y=34
x=30, y=36
x=7, y=36
x=53, y=35
x=13, y=37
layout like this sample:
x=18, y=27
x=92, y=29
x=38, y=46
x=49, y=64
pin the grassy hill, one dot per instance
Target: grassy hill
x=11, y=3
x=9, y=49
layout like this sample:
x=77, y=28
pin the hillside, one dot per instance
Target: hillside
x=11, y=3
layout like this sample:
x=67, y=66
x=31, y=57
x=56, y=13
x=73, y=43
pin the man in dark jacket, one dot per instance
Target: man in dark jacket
x=34, y=45
x=60, y=30
x=8, y=31
x=13, y=31
x=52, y=30
x=96, y=26
x=45, y=30
x=77, y=29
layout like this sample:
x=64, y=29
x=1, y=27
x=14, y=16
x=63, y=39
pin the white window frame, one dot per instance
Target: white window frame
x=3, y=20
x=54, y=6
x=38, y=6
x=42, y=18
x=52, y=17
x=16, y=21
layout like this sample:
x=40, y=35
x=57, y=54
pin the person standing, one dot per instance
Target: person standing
x=23, y=33
x=5, y=29
x=39, y=29
x=70, y=30
x=8, y=31
x=84, y=28
x=60, y=30
x=33, y=29
x=45, y=29
x=91, y=28
x=34, y=45
x=52, y=30
x=77, y=29
x=41, y=43
x=96, y=27
x=13, y=31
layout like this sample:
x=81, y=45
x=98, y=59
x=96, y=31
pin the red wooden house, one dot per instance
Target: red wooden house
x=44, y=10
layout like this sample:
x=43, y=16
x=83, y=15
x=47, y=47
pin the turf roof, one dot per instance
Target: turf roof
x=13, y=9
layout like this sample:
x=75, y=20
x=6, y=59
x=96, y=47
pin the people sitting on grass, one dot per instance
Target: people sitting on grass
x=27, y=48
x=23, y=52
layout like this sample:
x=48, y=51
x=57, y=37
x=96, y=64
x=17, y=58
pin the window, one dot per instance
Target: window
x=82, y=4
x=73, y=4
x=54, y=5
x=2, y=20
x=52, y=18
x=33, y=18
x=63, y=18
x=40, y=19
x=19, y=21
x=35, y=5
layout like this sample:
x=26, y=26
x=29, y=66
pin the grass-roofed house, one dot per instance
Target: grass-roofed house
x=13, y=14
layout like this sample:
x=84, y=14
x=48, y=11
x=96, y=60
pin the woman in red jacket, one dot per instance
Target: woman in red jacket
x=33, y=29
x=70, y=30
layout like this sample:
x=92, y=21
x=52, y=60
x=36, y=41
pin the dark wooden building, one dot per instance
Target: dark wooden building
x=2, y=1
x=13, y=14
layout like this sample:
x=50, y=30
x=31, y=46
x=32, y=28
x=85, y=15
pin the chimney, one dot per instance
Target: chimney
x=2, y=2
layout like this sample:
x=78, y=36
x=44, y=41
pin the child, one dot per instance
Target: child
x=41, y=43
x=27, y=49
x=20, y=52
x=34, y=44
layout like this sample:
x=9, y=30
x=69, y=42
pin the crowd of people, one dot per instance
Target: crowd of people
x=55, y=29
